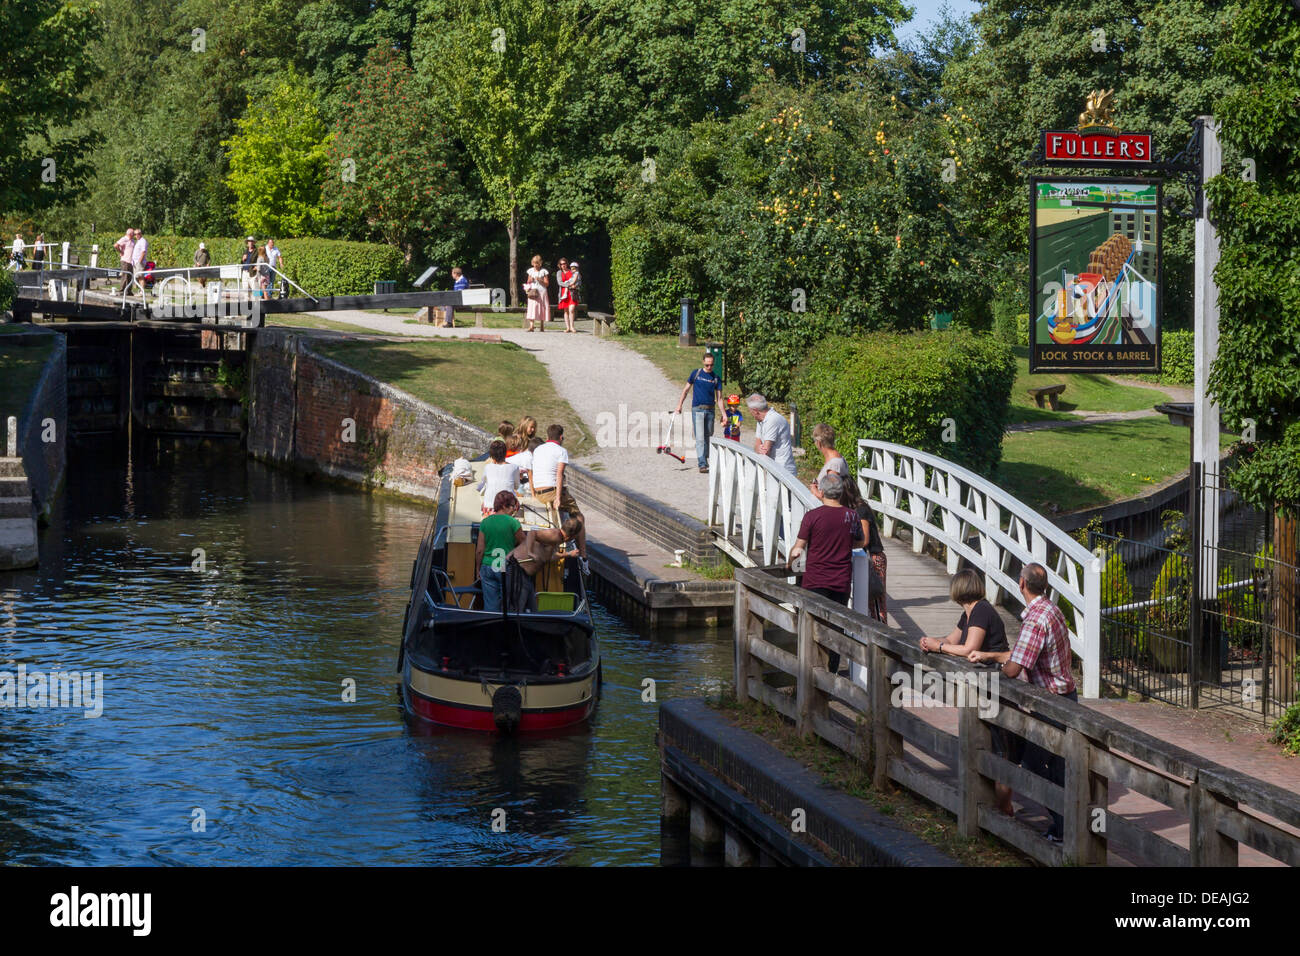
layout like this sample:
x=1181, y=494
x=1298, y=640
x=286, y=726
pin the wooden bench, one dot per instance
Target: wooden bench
x=602, y=323
x=1049, y=392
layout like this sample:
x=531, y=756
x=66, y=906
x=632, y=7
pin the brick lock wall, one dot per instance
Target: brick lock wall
x=306, y=407
x=45, y=461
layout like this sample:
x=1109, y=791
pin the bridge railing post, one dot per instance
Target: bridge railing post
x=11, y=439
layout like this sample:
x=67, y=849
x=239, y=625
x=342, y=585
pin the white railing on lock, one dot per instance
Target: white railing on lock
x=942, y=501
x=753, y=504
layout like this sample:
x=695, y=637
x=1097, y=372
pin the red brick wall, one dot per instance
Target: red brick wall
x=300, y=411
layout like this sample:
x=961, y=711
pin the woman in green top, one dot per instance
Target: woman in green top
x=498, y=534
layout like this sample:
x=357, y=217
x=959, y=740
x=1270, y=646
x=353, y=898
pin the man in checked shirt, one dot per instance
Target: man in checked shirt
x=1042, y=653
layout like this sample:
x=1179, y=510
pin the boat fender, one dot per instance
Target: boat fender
x=507, y=708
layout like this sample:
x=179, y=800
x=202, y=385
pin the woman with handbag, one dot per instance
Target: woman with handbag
x=539, y=303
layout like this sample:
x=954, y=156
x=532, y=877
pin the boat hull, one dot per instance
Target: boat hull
x=469, y=704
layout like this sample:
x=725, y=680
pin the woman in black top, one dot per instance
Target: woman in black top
x=875, y=547
x=979, y=628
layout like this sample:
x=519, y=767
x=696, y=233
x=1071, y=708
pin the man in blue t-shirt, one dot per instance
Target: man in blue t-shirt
x=708, y=393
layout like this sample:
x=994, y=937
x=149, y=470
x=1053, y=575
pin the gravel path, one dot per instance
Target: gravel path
x=614, y=389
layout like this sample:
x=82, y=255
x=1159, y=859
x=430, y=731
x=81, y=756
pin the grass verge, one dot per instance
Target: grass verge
x=1090, y=393
x=673, y=360
x=932, y=824
x=1065, y=469
x=302, y=320
x=481, y=382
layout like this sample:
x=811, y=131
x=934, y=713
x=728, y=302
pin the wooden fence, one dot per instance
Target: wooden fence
x=783, y=634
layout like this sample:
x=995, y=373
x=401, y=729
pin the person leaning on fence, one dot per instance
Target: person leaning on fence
x=248, y=264
x=1042, y=655
x=827, y=535
x=124, y=265
x=772, y=436
x=274, y=259
x=498, y=534
x=202, y=259
x=979, y=628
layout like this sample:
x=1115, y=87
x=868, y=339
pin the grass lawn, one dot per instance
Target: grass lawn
x=1092, y=465
x=673, y=360
x=481, y=382
x=302, y=320
x=20, y=368
x=1089, y=393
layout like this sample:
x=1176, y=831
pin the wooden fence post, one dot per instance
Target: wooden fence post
x=804, y=689
x=740, y=632
x=886, y=742
x=1083, y=844
x=973, y=788
x=1208, y=846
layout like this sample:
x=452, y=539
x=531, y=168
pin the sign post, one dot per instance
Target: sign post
x=1205, y=425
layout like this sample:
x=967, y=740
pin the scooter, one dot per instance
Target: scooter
x=667, y=449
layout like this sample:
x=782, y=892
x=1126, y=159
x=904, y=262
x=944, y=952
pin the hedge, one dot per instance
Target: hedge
x=1178, y=357
x=321, y=266
x=648, y=281
x=904, y=388
x=7, y=291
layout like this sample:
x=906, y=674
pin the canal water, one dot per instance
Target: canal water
x=230, y=609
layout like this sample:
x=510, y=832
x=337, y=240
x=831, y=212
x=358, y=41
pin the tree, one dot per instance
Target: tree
x=403, y=185
x=45, y=78
x=1257, y=373
x=1037, y=61
x=491, y=68
x=278, y=162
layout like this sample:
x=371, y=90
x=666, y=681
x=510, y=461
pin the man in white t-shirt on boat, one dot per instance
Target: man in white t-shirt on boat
x=547, y=479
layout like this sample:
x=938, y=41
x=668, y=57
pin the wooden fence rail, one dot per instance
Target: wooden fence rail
x=783, y=635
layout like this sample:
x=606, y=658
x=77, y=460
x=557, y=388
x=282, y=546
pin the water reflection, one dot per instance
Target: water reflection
x=228, y=606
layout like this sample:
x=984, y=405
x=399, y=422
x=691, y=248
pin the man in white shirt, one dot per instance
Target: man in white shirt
x=16, y=254
x=773, y=433
x=123, y=247
x=547, y=479
x=138, y=251
x=273, y=259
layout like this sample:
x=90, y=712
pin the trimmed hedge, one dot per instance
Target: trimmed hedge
x=1178, y=357
x=7, y=291
x=901, y=388
x=648, y=280
x=321, y=266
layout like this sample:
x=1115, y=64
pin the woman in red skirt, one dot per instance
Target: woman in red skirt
x=567, y=275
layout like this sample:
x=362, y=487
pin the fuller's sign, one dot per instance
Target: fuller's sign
x=1097, y=141
x=1096, y=148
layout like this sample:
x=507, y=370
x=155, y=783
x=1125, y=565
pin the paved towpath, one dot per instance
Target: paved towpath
x=615, y=391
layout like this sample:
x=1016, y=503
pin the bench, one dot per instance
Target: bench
x=1049, y=392
x=602, y=323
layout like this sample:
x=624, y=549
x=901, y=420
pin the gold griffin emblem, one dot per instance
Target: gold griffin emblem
x=1099, y=111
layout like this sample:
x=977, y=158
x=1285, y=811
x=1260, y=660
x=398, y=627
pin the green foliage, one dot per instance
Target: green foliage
x=499, y=70
x=321, y=266
x=1178, y=357
x=902, y=388
x=1257, y=372
x=648, y=281
x=402, y=187
x=7, y=291
x=1286, y=732
x=46, y=76
x=277, y=162
x=1034, y=65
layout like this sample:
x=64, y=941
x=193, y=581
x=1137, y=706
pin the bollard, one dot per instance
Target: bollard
x=687, y=337
x=11, y=444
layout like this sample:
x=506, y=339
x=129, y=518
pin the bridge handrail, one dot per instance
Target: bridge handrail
x=871, y=719
x=740, y=503
x=890, y=474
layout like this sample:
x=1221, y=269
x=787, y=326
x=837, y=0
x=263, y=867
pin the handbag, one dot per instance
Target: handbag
x=531, y=290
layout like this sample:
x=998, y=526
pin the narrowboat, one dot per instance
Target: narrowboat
x=506, y=671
